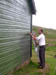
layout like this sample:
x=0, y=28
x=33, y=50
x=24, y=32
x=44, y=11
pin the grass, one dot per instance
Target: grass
x=32, y=67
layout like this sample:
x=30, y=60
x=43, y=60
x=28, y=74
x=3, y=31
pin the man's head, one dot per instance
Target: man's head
x=40, y=31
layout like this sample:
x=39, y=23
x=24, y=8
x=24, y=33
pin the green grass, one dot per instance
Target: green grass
x=50, y=53
x=32, y=67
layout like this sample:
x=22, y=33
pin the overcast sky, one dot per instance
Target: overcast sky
x=46, y=13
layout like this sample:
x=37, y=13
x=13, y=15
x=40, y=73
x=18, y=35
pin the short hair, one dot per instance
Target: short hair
x=41, y=30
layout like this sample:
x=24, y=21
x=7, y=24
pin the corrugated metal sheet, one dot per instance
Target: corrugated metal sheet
x=15, y=21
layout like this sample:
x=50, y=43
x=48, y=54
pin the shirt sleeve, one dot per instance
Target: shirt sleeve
x=39, y=37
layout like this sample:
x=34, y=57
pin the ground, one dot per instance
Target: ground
x=32, y=67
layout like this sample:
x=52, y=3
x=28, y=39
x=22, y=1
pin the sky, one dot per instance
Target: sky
x=45, y=13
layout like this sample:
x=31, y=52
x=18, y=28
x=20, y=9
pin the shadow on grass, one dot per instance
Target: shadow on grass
x=30, y=65
x=30, y=69
x=33, y=64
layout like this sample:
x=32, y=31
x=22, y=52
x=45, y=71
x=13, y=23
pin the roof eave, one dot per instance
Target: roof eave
x=32, y=6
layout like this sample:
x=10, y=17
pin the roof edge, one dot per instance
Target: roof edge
x=32, y=6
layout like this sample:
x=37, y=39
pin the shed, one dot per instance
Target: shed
x=15, y=25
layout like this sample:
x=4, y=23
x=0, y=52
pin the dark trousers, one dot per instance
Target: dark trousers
x=42, y=55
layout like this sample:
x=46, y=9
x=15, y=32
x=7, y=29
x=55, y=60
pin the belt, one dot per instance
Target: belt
x=42, y=46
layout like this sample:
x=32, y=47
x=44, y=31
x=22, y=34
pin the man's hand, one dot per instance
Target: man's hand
x=34, y=37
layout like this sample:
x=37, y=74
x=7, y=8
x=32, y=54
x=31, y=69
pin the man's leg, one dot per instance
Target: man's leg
x=40, y=55
x=43, y=57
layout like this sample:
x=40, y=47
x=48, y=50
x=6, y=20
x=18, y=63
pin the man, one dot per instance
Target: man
x=41, y=41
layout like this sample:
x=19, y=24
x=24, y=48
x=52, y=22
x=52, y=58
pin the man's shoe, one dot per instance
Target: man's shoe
x=41, y=67
x=38, y=62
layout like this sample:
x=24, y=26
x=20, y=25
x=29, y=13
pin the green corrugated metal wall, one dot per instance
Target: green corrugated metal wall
x=15, y=21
